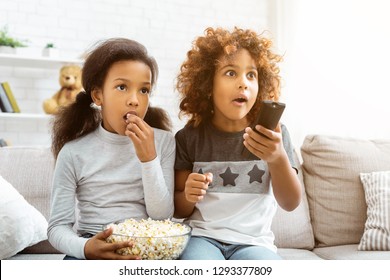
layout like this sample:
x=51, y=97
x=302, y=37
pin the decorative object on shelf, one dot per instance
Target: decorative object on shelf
x=11, y=97
x=50, y=50
x=9, y=44
x=70, y=81
x=5, y=104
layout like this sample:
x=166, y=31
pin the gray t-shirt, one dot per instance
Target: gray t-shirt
x=101, y=175
x=239, y=205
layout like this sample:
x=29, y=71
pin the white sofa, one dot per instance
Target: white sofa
x=328, y=224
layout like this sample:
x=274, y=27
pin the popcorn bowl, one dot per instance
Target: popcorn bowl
x=152, y=239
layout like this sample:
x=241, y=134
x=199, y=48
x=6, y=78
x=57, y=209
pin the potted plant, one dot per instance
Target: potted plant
x=50, y=50
x=7, y=43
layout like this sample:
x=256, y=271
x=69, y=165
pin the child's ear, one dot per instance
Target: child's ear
x=97, y=97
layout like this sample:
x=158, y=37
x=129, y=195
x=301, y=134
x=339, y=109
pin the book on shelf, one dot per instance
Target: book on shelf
x=11, y=98
x=5, y=104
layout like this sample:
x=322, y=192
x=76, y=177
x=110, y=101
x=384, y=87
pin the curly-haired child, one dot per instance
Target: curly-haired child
x=226, y=197
x=116, y=161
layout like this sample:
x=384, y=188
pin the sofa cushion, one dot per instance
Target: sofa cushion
x=38, y=257
x=21, y=224
x=350, y=252
x=331, y=168
x=30, y=171
x=377, y=228
x=293, y=229
x=297, y=254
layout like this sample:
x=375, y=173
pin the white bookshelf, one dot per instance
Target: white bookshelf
x=29, y=128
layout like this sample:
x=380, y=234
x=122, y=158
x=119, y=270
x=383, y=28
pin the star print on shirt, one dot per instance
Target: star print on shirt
x=229, y=177
x=255, y=174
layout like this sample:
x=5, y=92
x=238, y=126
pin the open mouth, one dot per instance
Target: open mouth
x=240, y=100
x=125, y=116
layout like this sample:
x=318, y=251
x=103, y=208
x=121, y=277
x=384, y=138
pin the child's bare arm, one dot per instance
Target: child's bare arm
x=285, y=182
x=190, y=188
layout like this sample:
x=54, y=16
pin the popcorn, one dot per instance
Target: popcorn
x=152, y=239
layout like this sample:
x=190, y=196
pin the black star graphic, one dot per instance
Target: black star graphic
x=255, y=174
x=228, y=177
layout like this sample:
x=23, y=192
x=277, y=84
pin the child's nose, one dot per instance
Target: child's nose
x=242, y=82
x=132, y=99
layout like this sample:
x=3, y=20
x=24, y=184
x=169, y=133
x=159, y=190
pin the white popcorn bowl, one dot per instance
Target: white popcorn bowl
x=167, y=247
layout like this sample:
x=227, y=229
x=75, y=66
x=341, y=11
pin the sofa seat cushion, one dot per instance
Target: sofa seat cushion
x=331, y=168
x=41, y=257
x=297, y=254
x=350, y=252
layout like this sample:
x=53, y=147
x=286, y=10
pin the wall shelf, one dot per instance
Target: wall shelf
x=14, y=60
x=29, y=128
x=24, y=116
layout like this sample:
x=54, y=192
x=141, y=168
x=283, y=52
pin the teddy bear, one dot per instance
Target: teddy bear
x=70, y=81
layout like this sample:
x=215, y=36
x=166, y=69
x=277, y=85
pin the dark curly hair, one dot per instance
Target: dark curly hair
x=195, y=80
x=80, y=118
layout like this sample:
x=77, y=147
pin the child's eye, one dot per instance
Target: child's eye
x=252, y=75
x=145, y=91
x=230, y=73
x=121, y=87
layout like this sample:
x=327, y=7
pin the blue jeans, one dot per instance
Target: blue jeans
x=203, y=248
x=70, y=258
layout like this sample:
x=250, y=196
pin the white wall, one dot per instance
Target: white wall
x=336, y=68
x=166, y=27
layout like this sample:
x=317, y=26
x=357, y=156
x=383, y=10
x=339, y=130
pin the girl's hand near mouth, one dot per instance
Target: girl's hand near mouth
x=142, y=136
